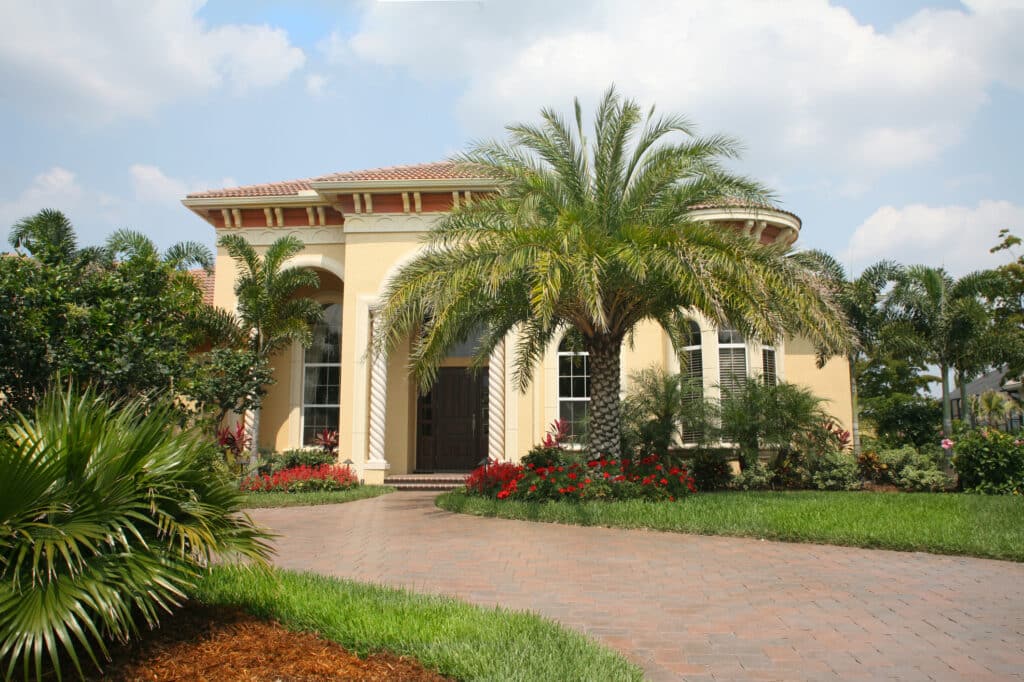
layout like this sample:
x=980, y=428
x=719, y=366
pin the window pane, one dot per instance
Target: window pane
x=326, y=346
x=732, y=364
x=768, y=362
x=322, y=386
x=315, y=420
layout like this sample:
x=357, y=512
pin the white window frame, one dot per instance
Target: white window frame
x=306, y=365
x=694, y=332
x=731, y=344
x=558, y=380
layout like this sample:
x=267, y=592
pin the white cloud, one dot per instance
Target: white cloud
x=124, y=58
x=803, y=83
x=150, y=184
x=55, y=188
x=315, y=84
x=955, y=237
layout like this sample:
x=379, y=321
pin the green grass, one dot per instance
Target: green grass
x=974, y=525
x=266, y=500
x=460, y=640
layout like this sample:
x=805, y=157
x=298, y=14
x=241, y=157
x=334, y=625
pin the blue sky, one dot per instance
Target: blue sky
x=891, y=128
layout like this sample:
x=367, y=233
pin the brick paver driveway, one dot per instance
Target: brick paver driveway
x=685, y=606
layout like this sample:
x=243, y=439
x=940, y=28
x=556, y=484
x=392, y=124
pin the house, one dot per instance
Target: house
x=359, y=228
x=997, y=380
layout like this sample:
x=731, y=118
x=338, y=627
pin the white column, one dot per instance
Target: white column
x=496, y=403
x=377, y=463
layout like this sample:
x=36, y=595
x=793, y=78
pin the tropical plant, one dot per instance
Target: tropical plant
x=990, y=462
x=269, y=306
x=656, y=408
x=860, y=299
x=993, y=408
x=106, y=514
x=596, y=234
x=757, y=416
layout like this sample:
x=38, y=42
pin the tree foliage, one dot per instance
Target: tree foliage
x=594, y=233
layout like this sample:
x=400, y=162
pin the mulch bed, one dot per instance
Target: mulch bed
x=215, y=644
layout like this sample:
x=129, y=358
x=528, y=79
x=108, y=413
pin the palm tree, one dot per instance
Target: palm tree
x=180, y=256
x=596, y=235
x=860, y=299
x=50, y=238
x=993, y=407
x=268, y=307
x=945, y=320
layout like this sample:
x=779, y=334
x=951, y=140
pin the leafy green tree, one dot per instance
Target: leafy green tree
x=596, y=234
x=269, y=307
x=895, y=400
x=123, y=317
x=107, y=517
x=861, y=300
x=946, y=322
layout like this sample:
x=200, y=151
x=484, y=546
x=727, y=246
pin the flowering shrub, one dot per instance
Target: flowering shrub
x=551, y=451
x=234, y=441
x=490, y=478
x=297, y=457
x=598, y=479
x=989, y=461
x=302, y=479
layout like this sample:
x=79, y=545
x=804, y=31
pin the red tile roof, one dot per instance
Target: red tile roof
x=438, y=170
x=205, y=281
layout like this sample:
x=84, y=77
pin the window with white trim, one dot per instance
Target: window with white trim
x=769, y=373
x=321, y=377
x=573, y=387
x=732, y=358
x=693, y=375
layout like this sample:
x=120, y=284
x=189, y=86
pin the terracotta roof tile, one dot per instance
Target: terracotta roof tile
x=438, y=170
x=205, y=281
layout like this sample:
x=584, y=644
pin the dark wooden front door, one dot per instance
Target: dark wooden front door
x=452, y=422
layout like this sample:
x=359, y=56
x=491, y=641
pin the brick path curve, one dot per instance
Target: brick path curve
x=687, y=606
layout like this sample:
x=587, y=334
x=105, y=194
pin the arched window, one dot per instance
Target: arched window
x=573, y=387
x=693, y=375
x=321, y=376
x=732, y=358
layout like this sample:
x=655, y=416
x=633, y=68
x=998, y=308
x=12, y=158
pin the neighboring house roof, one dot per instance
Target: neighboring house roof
x=438, y=170
x=205, y=281
x=992, y=381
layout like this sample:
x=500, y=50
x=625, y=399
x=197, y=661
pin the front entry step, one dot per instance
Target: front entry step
x=439, y=482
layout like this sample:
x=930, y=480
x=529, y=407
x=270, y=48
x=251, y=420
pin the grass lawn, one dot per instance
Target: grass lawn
x=265, y=500
x=460, y=640
x=975, y=525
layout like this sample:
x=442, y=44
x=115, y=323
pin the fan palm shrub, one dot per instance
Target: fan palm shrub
x=107, y=517
x=595, y=233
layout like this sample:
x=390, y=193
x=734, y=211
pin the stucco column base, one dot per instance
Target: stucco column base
x=374, y=472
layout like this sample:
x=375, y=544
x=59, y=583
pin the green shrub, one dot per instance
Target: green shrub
x=832, y=471
x=298, y=457
x=710, y=470
x=787, y=469
x=990, y=462
x=107, y=512
x=754, y=477
x=925, y=480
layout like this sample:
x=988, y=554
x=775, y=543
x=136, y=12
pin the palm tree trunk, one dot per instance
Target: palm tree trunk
x=855, y=402
x=947, y=410
x=254, y=446
x=965, y=405
x=605, y=381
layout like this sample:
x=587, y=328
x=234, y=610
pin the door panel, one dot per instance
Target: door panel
x=452, y=428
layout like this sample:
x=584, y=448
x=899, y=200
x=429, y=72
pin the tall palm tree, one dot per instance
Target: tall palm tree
x=268, y=307
x=947, y=322
x=596, y=234
x=861, y=300
x=50, y=238
x=180, y=256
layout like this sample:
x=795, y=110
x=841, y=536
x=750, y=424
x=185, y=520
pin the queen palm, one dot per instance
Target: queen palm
x=596, y=234
x=860, y=299
x=269, y=309
x=946, y=322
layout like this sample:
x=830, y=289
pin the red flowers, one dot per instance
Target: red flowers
x=302, y=479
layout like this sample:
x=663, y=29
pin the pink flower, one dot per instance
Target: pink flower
x=947, y=444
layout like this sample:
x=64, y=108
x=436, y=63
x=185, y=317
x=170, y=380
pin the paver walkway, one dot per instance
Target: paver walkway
x=685, y=606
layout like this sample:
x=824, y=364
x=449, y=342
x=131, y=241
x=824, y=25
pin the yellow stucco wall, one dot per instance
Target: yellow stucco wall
x=831, y=382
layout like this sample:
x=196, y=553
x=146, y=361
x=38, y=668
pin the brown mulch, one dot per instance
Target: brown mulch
x=219, y=644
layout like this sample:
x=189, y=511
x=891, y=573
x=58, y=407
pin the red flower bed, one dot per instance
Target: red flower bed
x=602, y=478
x=325, y=477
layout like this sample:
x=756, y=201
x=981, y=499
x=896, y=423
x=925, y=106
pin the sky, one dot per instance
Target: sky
x=893, y=128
